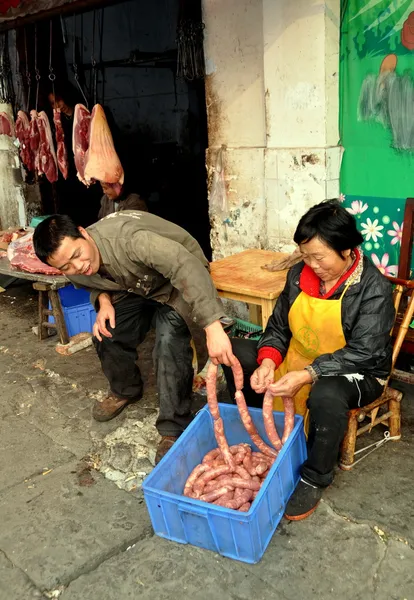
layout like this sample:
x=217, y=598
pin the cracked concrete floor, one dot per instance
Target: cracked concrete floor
x=70, y=533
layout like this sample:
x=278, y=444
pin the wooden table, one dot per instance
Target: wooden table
x=240, y=277
x=46, y=286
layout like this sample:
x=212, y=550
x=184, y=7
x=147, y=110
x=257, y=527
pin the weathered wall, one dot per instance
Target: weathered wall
x=12, y=203
x=272, y=100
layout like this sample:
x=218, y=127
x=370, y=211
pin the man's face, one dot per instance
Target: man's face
x=76, y=256
x=57, y=102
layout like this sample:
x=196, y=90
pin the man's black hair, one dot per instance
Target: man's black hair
x=332, y=224
x=49, y=234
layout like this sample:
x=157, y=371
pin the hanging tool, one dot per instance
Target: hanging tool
x=28, y=76
x=37, y=72
x=190, y=39
x=6, y=85
x=94, y=72
x=101, y=63
x=52, y=76
x=75, y=64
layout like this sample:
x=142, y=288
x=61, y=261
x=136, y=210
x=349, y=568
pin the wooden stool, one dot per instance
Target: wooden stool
x=48, y=293
x=390, y=398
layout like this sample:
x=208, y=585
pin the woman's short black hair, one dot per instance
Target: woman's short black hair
x=49, y=234
x=332, y=223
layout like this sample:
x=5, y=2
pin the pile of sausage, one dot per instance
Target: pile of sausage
x=231, y=476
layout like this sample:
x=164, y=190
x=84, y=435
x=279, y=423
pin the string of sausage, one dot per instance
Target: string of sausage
x=231, y=476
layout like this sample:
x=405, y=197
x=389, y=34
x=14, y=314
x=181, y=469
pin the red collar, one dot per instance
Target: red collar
x=310, y=283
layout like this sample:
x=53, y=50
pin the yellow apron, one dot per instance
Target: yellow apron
x=316, y=327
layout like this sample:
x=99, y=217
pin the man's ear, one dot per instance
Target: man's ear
x=84, y=233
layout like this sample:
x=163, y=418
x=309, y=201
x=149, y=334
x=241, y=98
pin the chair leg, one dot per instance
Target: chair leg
x=348, y=445
x=395, y=420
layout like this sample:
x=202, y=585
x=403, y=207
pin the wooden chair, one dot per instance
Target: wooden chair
x=390, y=398
x=404, y=272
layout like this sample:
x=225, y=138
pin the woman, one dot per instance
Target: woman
x=327, y=343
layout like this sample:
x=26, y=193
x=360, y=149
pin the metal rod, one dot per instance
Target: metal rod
x=70, y=8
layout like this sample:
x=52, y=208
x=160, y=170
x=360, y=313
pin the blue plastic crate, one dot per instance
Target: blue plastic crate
x=242, y=536
x=79, y=313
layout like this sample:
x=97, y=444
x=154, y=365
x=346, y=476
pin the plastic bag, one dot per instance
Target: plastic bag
x=199, y=382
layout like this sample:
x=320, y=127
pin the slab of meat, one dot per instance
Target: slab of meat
x=34, y=140
x=62, y=155
x=22, y=256
x=6, y=125
x=80, y=139
x=47, y=156
x=102, y=162
x=93, y=146
x=23, y=135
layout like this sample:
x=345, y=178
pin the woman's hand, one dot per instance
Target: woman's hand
x=289, y=385
x=263, y=376
x=106, y=313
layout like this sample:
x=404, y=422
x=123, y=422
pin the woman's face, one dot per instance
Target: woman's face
x=323, y=260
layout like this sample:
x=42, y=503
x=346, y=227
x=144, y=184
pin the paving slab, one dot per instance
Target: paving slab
x=396, y=575
x=320, y=558
x=379, y=490
x=14, y=584
x=25, y=451
x=58, y=529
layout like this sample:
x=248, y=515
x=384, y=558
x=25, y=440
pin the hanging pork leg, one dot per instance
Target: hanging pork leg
x=93, y=146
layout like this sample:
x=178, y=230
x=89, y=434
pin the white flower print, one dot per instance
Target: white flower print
x=371, y=230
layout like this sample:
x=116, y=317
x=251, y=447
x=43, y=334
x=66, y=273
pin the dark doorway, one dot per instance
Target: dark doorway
x=125, y=57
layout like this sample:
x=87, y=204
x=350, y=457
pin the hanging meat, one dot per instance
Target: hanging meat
x=62, y=155
x=23, y=135
x=47, y=156
x=34, y=139
x=93, y=146
x=80, y=139
x=6, y=125
x=41, y=146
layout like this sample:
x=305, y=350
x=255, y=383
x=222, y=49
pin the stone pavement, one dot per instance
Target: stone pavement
x=69, y=532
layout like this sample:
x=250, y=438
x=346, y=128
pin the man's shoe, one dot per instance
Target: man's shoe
x=167, y=441
x=109, y=408
x=303, y=501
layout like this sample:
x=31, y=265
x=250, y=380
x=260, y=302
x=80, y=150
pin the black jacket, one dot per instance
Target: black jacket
x=367, y=319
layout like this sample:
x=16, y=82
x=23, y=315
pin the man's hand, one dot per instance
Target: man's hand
x=263, y=376
x=106, y=313
x=289, y=385
x=219, y=345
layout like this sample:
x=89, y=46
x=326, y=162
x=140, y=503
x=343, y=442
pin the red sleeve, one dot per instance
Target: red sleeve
x=268, y=352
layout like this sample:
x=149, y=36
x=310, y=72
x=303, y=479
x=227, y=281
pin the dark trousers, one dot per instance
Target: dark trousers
x=328, y=403
x=134, y=317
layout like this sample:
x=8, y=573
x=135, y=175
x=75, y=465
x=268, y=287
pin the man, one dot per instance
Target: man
x=141, y=271
x=116, y=198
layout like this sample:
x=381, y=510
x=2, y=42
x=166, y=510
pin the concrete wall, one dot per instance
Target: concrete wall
x=272, y=101
x=12, y=198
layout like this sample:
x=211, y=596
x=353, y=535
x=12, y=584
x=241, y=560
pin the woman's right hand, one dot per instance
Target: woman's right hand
x=106, y=313
x=263, y=376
